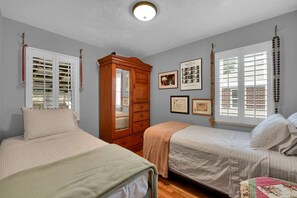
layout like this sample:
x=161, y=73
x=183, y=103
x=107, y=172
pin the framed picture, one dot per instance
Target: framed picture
x=127, y=82
x=201, y=107
x=125, y=101
x=168, y=80
x=179, y=104
x=191, y=75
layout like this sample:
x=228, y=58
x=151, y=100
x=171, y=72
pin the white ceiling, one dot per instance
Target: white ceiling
x=109, y=24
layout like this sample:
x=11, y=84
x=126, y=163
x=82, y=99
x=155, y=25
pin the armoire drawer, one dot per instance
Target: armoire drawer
x=129, y=141
x=139, y=116
x=141, y=107
x=140, y=126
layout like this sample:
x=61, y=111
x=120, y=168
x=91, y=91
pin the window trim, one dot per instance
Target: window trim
x=240, y=52
x=56, y=57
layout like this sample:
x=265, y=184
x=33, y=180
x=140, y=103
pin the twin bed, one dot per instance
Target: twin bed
x=217, y=158
x=72, y=164
x=221, y=159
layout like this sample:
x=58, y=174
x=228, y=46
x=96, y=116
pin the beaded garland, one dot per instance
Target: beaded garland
x=276, y=69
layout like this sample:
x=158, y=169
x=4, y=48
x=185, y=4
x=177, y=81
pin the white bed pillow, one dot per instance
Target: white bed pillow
x=292, y=150
x=293, y=119
x=289, y=146
x=45, y=122
x=270, y=132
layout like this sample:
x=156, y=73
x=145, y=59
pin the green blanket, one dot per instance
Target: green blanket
x=92, y=174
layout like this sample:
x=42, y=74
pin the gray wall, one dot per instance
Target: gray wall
x=13, y=95
x=1, y=66
x=252, y=34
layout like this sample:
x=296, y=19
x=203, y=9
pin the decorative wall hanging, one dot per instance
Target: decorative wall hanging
x=201, y=107
x=191, y=75
x=179, y=104
x=125, y=101
x=168, y=80
x=24, y=46
x=212, y=86
x=80, y=71
x=127, y=82
x=276, y=70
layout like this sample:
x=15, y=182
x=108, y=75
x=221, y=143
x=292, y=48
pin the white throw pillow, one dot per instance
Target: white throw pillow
x=289, y=146
x=45, y=122
x=270, y=132
x=293, y=119
x=292, y=150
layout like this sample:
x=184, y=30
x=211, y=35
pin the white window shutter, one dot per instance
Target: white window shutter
x=51, y=80
x=118, y=88
x=243, y=84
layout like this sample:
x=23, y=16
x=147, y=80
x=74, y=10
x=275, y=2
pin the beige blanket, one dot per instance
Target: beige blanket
x=156, y=144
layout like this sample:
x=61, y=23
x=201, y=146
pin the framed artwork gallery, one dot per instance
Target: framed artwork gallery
x=168, y=80
x=179, y=104
x=201, y=107
x=191, y=75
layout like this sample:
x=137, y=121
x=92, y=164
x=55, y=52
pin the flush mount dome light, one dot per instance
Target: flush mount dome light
x=144, y=11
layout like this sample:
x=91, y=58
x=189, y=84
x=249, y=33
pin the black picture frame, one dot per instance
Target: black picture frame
x=191, y=75
x=179, y=104
x=171, y=76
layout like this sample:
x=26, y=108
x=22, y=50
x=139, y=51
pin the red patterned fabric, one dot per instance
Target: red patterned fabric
x=264, y=187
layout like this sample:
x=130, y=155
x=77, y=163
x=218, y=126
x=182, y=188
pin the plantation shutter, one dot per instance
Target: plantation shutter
x=51, y=80
x=229, y=86
x=41, y=80
x=255, y=79
x=243, y=84
x=67, y=95
x=118, y=88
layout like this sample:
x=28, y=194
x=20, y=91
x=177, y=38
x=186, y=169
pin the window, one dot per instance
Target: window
x=51, y=80
x=118, y=88
x=244, y=84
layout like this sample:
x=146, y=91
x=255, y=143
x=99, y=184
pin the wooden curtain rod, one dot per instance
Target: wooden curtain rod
x=212, y=85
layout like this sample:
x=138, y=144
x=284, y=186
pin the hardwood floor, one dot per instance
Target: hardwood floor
x=177, y=187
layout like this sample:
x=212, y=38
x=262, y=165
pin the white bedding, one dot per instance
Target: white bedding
x=221, y=159
x=122, y=123
x=17, y=155
x=122, y=120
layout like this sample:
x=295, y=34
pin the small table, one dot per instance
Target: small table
x=263, y=187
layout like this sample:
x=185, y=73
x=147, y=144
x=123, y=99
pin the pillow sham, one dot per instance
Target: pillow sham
x=289, y=146
x=270, y=132
x=291, y=151
x=45, y=122
x=293, y=119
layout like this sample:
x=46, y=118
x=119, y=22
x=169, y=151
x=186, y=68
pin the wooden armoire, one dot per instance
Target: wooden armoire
x=124, y=100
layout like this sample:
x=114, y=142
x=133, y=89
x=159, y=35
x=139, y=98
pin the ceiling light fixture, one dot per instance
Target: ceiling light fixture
x=144, y=11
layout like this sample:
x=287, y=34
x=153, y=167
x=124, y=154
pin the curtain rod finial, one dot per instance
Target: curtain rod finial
x=212, y=46
x=275, y=30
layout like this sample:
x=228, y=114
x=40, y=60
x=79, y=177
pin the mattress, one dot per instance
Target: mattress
x=221, y=159
x=17, y=155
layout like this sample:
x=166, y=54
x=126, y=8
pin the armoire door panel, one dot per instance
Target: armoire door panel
x=141, y=86
x=141, y=93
